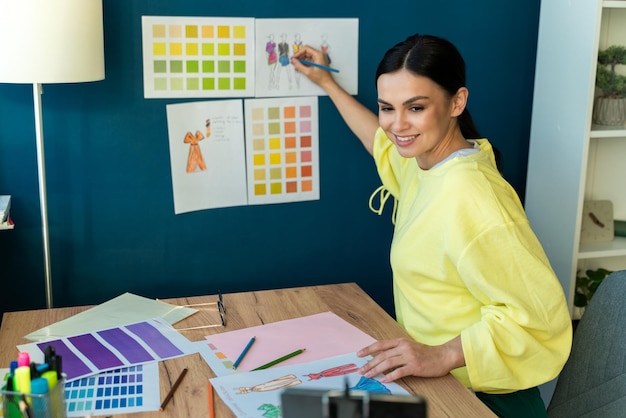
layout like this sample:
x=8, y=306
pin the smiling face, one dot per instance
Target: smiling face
x=419, y=117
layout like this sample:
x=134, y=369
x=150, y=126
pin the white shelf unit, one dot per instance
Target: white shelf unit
x=570, y=159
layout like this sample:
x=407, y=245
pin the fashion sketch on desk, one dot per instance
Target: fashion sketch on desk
x=364, y=383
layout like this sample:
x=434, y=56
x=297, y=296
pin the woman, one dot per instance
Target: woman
x=472, y=285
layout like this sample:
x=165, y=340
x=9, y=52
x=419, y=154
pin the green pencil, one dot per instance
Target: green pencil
x=280, y=360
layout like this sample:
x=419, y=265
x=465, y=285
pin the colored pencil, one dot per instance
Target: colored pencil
x=243, y=353
x=173, y=389
x=280, y=360
x=313, y=64
x=211, y=403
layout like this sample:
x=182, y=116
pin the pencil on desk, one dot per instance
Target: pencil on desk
x=280, y=360
x=173, y=389
x=243, y=353
x=211, y=404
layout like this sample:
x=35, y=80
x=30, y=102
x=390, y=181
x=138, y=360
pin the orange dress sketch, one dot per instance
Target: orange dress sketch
x=194, y=159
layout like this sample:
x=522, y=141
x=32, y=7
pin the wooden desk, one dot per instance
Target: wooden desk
x=446, y=396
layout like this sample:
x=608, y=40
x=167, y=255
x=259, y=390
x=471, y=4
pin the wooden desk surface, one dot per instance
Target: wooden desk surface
x=446, y=397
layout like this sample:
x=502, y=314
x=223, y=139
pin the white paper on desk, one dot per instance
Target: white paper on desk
x=124, y=309
x=253, y=393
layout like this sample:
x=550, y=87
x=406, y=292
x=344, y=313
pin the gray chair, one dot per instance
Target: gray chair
x=593, y=381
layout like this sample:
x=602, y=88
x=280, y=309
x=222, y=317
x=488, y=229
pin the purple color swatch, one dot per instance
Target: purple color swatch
x=97, y=353
x=126, y=345
x=71, y=364
x=153, y=338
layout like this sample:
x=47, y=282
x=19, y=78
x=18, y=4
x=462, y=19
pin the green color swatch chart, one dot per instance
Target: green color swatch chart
x=198, y=57
x=282, y=150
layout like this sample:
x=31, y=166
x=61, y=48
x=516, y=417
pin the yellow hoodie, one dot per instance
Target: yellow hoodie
x=465, y=261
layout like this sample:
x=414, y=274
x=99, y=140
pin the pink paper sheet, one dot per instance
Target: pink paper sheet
x=322, y=335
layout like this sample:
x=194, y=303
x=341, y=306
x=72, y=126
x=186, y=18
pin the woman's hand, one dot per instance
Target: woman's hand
x=319, y=76
x=403, y=357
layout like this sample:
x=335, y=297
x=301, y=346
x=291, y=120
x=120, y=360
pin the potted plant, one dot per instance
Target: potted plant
x=587, y=283
x=610, y=104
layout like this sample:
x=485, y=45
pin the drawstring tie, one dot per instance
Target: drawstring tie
x=383, y=195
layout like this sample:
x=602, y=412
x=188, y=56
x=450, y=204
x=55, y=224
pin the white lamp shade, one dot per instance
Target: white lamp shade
x=51, y=41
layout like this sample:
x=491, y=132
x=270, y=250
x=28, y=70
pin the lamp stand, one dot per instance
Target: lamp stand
x=43, y=200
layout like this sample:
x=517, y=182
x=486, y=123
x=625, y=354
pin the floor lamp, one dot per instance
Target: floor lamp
x=49, y=41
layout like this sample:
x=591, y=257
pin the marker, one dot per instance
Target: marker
x=51, y=378
x=280, y=360
x=21, y=379
x=23, y=359
x=39, y=386
x=244, y=352
x=313, y=64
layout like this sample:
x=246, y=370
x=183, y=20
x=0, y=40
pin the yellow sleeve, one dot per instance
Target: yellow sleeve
x=524, y=336
x=387, y=162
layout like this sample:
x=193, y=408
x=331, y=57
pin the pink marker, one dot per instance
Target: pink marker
x=23, y=359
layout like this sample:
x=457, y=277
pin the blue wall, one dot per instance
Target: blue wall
x=112, y=222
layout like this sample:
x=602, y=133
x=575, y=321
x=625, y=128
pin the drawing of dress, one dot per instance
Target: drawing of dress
x=283, y=54
x=270, y=48
x=335, y=371
x=371, y=385
x=297, y=45
x=272, y=62
x=279, y=383
x=325, y=48
x=194, y=159
x=283, y=59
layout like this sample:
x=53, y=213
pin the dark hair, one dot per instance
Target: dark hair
x=437, y=59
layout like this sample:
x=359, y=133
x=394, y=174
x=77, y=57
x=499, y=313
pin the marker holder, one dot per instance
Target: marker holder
x=48, y=405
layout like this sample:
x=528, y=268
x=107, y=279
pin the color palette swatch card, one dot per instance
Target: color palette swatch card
x=282, y=152
x=207, y=154
x=114, y=348
x=198, y=56
x=121, y=391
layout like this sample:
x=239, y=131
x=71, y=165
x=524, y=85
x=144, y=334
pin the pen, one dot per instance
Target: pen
x=323, y=67
x=173, y=389
x=280, y=360
x=244, y=352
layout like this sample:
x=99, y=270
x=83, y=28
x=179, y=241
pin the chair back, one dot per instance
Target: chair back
x=593, y=381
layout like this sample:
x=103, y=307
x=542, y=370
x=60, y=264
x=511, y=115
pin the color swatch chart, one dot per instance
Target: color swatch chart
x=121, y=391
x=282, y=153
x=198, y=57
x=114, y=348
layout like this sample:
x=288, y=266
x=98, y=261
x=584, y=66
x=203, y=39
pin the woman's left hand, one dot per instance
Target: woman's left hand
x=404, y=357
